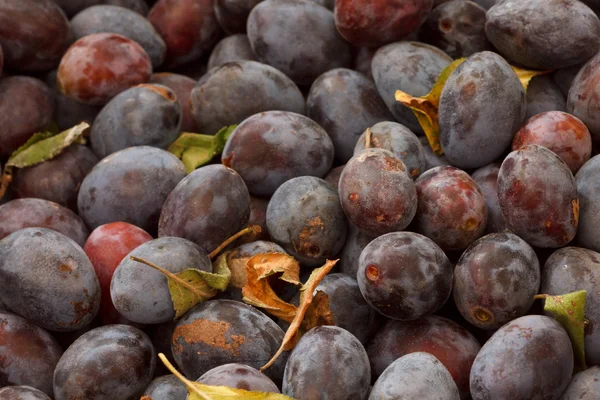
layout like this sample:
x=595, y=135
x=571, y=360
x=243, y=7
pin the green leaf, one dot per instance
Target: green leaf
x=43, y=146
x=196, y=150
x=568, y=310
x=191, y=286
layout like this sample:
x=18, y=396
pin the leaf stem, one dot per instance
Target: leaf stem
x=540, y=296
x=251, y=229
x=5, y=180
x=182, y=378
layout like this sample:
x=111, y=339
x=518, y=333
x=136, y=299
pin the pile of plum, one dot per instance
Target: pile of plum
x=446, y=259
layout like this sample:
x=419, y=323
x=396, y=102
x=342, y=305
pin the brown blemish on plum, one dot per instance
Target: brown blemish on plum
x=167, y=94
x=82, y=309
x=210, y=333
x=483, y=315
x=372, y=273
x=65, y=268
x=575, y=208
x=353, y=197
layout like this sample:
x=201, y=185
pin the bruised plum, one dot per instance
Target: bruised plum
x=22, y=393
x=182, y=86
x=291, y=145
x=34, y=34
x=495, y=280
x=532, y=354
x=317, y=228
x=218, y=332
x=99, y=66
x=444, y=339
x=543, y=34
x=584, y=386
x=274, y=30
x=588, y=187
x=206, y=207
x=411, y=67
x=232, y=48
x=114, y=19
x=110, y=362
x=538, y=197
x=238, y=90
x=38, y=213
x=355, y=243
x=239, y=376
x=26, y=107
x=452, y=209
x=375, y=23
x=377, y=192
x=47, y=278
x=544, y=95
x=30, y=355
x=582, y=98
x=188, y=27
x=130, y=185
x=487, y=180
x=166, y=387
x=404, y=275
x=559, y=132
x=58, y=179
x=481, y=107
x=399, y=140
x=456, y=27
x=145, y=115
x=141, y=293
x=571, y=269
x=415, y=376
x=328, y=362
x=345, y=103
x=233, y=14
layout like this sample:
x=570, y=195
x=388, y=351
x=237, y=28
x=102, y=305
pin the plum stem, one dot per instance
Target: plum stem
x=5, y=180
x=251, y=229
x=368, y=139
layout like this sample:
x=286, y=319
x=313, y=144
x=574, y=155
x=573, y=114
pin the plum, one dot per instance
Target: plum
x=166, y=387
x=239, y=376
x=181, y=86
x=231, y=48
x=583, y=386
x=356, y=241
x=233, y=14
x=22, y=393
x=544, y=95
x=487, y=180
x=583, y=94
x=588, y=185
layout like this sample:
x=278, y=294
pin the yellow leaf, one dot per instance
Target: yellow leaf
x=191, y=286
x=526, y=75
x=198, y=391
x=306, y=298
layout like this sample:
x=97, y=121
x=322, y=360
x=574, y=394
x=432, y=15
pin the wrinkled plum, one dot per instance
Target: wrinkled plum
x=447, y=341
x=481, y=107
x=72, y=7
x=30, y=355
x=110, y=362
x=328, y=362
x=130, y=185
x=188, y=27
x=26, y=107
x=544, y=95
x=345, y=103
x=218, y=332
x=47, y=278
x=99, y=66
x=58, y=179
x=432, y=160
x=274, y=29
x=404, y=275
x=22, y=393
x=233, y=14
x=145, y=115
x=588, y=187
x=375, y=23
x=106, y=246
x=182, y=86
x=495, y=280
x=584, y=386
x=237, y=90
x=166, y=387
x=38, y=213
x=140, y=293
x=271, y=148
x=355, y=243
x=399, y=140
x=532, y=354
x=232, y=48
x=317, y=228
x=415, y=376
x=571, y=269
x=538, y=197
x=487, y=180
x=452, y=209
x=583, y=94
x=411, y=67
x=533, y=33
x=559, y=132
x=239, y=376
x=207, y=207
x=34, y=34
x=114, y=19
x=456, y=27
